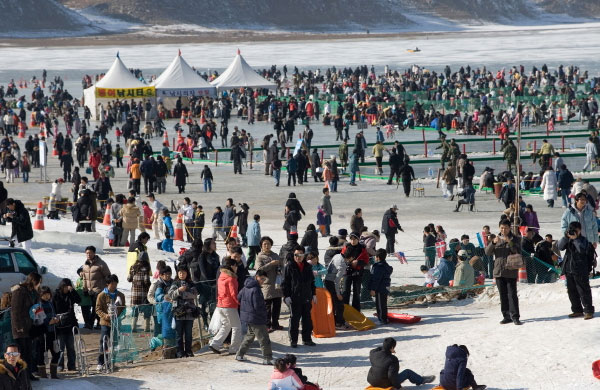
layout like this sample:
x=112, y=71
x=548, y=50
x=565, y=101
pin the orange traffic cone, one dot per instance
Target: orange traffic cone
x=182, y=120
x=522, y=275
x=21, y=131
x=38, y=224
x=166, y=139
x=32, y=123
x=179, y=228
x=560, y=117
x=202, y=118
x=106, y=220
x=54, y=151
x=233, y=233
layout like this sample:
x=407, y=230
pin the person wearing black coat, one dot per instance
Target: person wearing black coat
x=22, y=231
x=390, y=227
x=66, y=162
x=85, y=211
x=578, y=262
x=64, y=300
x=310, y=239
x=468, y=172
x=395, y=162
x=148, y=169
x=301, y=164
x=299, y=293
x=294, y=204
x=408, y=174
x=456, y=375
x=385, y=366
x=379, y=284
x=237, y=154
x=14, y=374
x=103, y=189
x=180, y=172
x=203, y=270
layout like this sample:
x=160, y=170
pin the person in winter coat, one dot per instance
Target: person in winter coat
x=21, y=230
x=94, y=274
x=284, y=378
x=228, y=216
x=203, y=270
x=217, y=223
x=23, y=297
x=242, y=223
x=269, y=261
x=164, y=308
x=328, y=210
x=85, y=211
x=237, y=155
x=64, y=300
x=578, y=262
x=385, y=366
x=180, y=172
x=508, y=193
x=379, y=284
x=299, y=292
x=207, y=178
x=456, y=375
x=565, y=181
x=357, y=222
x=183, y=295
x=132, y=216
x=445, y=270
x=502, y=246
x=292, y=168
x=390, y=227
x=110, y=302
x=334, y=282
x=167, y=243
x=227, y=305
x=358, y=258
x=353, y=167
x=14, y=372
x=311, y=238
x=549, y=186
x=581, y=212
x=253, y=312
x=254, y=237
x=464, y=274
x=46, y=337
x=139, y=277
x=407, y=173
x=103, y=189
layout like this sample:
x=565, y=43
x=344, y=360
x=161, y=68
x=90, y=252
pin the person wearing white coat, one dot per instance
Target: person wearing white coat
x=549, y=186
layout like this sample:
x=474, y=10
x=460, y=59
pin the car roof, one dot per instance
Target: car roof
x=5, y=249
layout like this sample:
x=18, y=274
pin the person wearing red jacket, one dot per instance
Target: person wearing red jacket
x=227, y=309
x=94, y=163
x=357, y=257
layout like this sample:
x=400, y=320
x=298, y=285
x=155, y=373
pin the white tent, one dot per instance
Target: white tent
x=180, y=80
x=239, y=74
x=117, y=83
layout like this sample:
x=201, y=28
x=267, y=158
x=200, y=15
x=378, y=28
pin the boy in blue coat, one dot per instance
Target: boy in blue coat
x=379, y=284
x=167, y=243
x=456, y=375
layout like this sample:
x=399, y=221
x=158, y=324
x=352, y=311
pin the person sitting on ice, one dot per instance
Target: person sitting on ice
x=385, y=366
x=456, y=375
x=283, y=377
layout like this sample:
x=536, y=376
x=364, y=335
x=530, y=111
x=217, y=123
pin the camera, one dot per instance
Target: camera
x=571, y=232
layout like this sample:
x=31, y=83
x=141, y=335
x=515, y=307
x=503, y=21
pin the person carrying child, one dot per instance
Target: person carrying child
x=456, y=375
x=47, y=335
x=379, y=284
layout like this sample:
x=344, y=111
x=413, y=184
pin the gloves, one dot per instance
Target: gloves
x=288, y=301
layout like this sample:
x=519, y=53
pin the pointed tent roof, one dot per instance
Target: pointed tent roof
x=118, y=76
x=179, y=74
x=240, y=74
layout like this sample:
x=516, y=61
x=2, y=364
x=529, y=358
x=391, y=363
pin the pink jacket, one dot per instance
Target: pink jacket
x=227, y=290
x=287, y=380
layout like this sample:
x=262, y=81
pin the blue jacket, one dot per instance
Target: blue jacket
x=565, y=179
x=253, y=234
x=169, y=225
x=253, y=309
x=292, y=166
x=446, y=272
x=453, y=376
x=228, y=217
x=589, y=224
x=164, y=311
x=381, y=280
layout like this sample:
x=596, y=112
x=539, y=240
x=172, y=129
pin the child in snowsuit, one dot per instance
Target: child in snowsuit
x=167, y=243
x=379, y=284
x=456, y=375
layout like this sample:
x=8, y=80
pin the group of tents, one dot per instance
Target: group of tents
x=178, y=80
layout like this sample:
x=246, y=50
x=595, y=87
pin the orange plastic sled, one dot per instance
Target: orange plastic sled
x=596, y=369
x=322, y=315
x=356, y=319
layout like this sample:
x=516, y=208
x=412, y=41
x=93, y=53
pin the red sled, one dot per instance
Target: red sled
x=403, y=318
x=596, y=369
